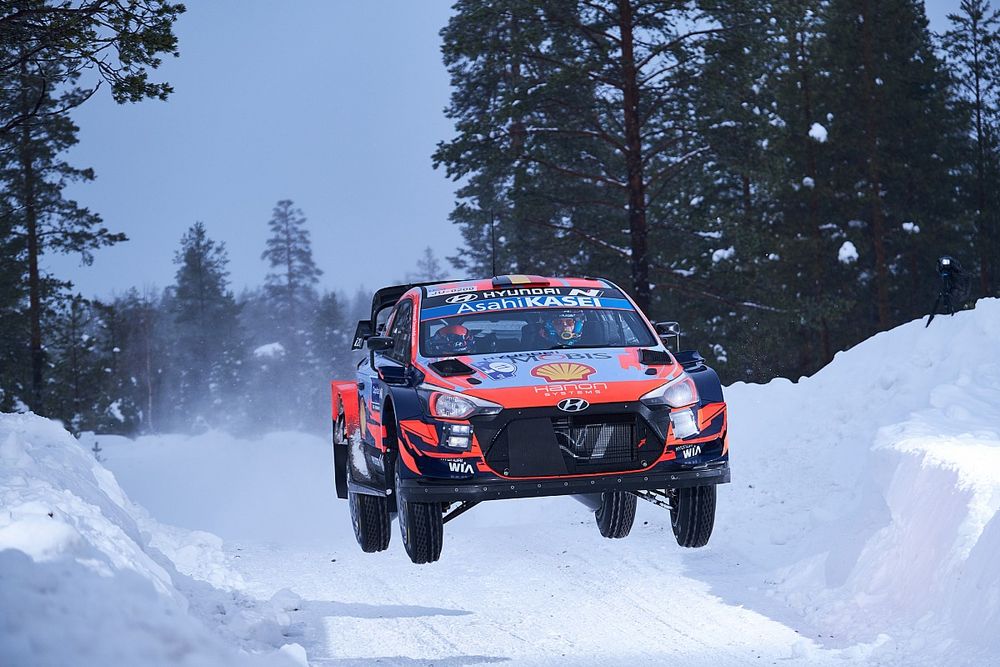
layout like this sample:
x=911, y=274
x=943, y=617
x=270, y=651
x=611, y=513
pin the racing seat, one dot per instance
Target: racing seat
x=530, y=338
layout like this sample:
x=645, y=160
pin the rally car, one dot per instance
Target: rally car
x=516, y=387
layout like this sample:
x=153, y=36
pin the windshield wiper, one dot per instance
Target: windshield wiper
x=563, y=346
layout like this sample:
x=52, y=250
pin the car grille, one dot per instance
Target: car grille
x=547, y=445
x=601, y=442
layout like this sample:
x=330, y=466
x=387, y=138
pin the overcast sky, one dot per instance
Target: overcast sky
x=334, y=105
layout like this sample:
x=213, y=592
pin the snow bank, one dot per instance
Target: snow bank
x=81, y=582
x=870, y=491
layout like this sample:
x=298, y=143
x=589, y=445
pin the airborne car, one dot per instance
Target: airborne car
x=516, y=387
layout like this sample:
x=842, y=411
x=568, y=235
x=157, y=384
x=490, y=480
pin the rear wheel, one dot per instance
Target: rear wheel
x=372, y=524
x=616, y=513
x=421, y=525
x=692, y=514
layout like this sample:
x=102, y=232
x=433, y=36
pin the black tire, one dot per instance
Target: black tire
x=616, y=513
x=372, y=523
x=692, y=515
x=421, y=526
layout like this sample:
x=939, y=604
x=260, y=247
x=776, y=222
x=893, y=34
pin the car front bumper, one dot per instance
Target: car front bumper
x=422, y=489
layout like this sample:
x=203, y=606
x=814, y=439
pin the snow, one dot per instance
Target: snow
x=911, y=227
x=847, y=254
x=818, y=132
x=809, y=182
x=115, y=410
x=269, y=351
x=861, y=527
x=723, y=254
x=81, y=582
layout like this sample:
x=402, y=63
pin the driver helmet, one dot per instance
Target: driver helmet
x=452, y=339
x=564, y=327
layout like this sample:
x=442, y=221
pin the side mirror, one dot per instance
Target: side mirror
x=666, y=330
x=377, y=344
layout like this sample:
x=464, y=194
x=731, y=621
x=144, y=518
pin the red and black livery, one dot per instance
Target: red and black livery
x=523, y=386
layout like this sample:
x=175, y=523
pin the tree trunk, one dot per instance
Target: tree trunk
x=148, y=359
x=982, y=235
x=30, y=206
x=874, y=175
x=818, y=263
x=636, y=185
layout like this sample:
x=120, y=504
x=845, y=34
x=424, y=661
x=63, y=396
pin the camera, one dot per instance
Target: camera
x=955, y=287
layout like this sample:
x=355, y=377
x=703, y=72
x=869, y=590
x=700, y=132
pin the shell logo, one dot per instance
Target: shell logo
x=563, y=372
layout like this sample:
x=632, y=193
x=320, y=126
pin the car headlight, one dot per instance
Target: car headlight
x=452, y=405
x=679, y=393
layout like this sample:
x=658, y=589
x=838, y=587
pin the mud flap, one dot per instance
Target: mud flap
x=340, y=455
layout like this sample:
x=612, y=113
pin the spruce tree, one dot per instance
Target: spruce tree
x=428, y=268
x=40, y=218
x=973, y=47
x=572, y=120
x=207, y=352
x=119, y=41
x=289, y=303
x=893, y=141
x=290, y=285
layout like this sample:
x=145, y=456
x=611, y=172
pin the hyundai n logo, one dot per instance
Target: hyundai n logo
x=573, y=405
x=461, y=298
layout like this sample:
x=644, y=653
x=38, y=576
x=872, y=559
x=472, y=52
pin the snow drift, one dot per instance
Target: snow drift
x=870, y=491
x=861, y=527
x=82, y=583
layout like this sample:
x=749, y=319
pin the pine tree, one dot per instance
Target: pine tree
x=85, y=388
x=40, y=218
x=290, y=285
x=14, y=326
x=208, y=349
x=289, y=302
x=140, y=332
x=973, y=46
x=893, y=141
x=332, y=335
x=428, y=268
x=567, y=116
x=119, y=41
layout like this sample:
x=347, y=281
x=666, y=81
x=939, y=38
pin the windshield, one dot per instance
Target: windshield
x=529, y=319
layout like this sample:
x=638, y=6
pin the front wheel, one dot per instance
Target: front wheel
x=421, y=525
x=616, y=513
x=372, y=523
x=692, y=515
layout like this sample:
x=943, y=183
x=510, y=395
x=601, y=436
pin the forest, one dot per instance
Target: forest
x=778, y=176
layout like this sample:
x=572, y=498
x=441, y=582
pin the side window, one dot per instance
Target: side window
x=400, y=332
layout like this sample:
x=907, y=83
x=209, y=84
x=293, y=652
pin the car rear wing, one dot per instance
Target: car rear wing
x=384, y=298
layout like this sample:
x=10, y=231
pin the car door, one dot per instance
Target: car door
x=372, y=390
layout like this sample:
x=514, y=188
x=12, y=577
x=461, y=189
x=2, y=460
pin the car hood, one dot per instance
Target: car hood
x=533, y=379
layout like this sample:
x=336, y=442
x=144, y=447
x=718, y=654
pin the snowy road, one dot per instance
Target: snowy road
x=531, y=582
x=541, y=589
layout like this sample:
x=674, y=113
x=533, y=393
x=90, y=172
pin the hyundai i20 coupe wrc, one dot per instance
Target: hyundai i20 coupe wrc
x=518, y=387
